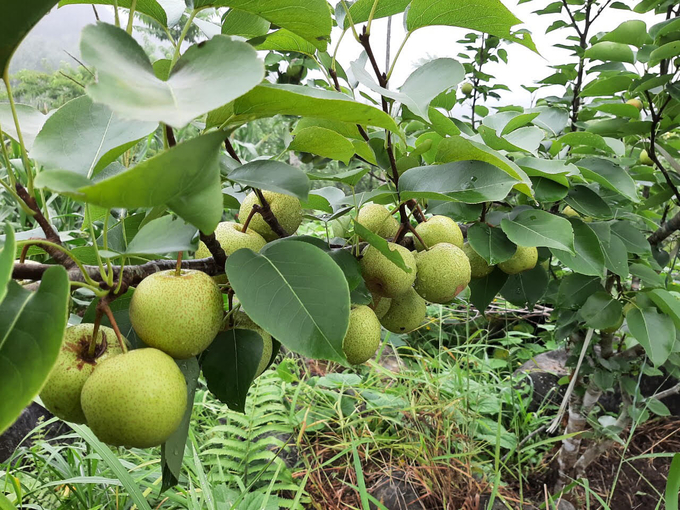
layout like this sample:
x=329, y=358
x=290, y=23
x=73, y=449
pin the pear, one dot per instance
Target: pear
x=443, y=272
x=636, y=103
x=242, y=321
x=377, y=219
x=406, y=313
x=615, y=328
x=286, y=208
x=570, y=213
x=340, y=227
x=180, y=315
x=466, y=88
x=479, y=268
x=135, y=399
x=61, y=392
x=525, y=258
x=645, y=159
x=232, y=238
x=439, y=229
x=363, y=335
x=381, y=305
x=385, y=278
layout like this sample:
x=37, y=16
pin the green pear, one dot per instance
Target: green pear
x=466, y=88
x=61, y=392
x=635, y=102
x=232, y=238
x=286, y=208
x=363, y=335
x=407, y=312
x=242, y=321
x=615, y=328
x=377, y=219
x=439, y=229
x=479, y=268
x=340, y=227
x=135, y=399
x=443, y=272
x=570, y=213
x=383, y=277
x=645, y=159
x=525, y=258
x=180, y=315
x=380, y=305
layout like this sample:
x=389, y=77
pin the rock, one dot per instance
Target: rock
x=30, y=418
x=396, y=492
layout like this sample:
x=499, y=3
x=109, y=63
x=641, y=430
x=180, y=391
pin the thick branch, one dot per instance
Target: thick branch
x=268, y=215
x=215, y=249
x=665, y=230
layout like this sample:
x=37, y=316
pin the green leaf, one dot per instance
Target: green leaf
x=634, y=240
x=32, y=328
x=323, y=142
x=576, y=288
x=610, y=52
x=310, y=19
x=629, y=32
x=667, y=51
x=587, y=258
x=361, y=10
x=16, y=21
x=381, y=245
x=618, y=109
x=607, y=86
x=221, y=69
x=244, y=24
x=471, y=182
x=230, y=365
x=579, y=138
x=31, y=122
x=490, y=243
x=647, y=275
x=296, y=293
x=600, y=311
x=615, y=256
x=84, y=137
x=484, y=290
x=654, y=331
x=518, y=121
x=284, y=41
x=540, y=228
x=268, y=100
x=527, y=287
x=349, y=177
x=609, y=175
x=457, y=148
x=274, y=176
x=162, y=235
x=584, y=200
x=657, y=407
x=547, y=190
x=668, y=303
x=172, y=451
x=6, y=504
x=151, y=8
x=489, y=16
x=555, y=170
x=7, y=257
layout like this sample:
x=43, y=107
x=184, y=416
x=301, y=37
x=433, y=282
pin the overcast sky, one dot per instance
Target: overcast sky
x=59, y=31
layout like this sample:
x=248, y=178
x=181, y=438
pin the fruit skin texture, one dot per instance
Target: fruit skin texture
x=136, y=399
x=479, y=268
x=645, y=159
x=385, y=278
x=377, y=219
x=61, y=393
x=380, y=305
x=231, y=238
x=180, y=315
x=525, y=258
x=286, y=208
x=406, y=313
x=439, y=229
x=443, y=272
x=363, y=335
x=242, y=321
x=636, y=103
x=466, y=88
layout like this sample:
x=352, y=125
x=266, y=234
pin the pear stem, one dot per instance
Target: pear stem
x=178, y=267
x=95, y=331
x=24, y=252
x=413, y=230
x=114, y=325
x=244, y=228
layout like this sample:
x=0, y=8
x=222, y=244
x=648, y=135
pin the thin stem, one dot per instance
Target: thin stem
x=120, y=277
x=114, y=325
x=370, y=17
x=16, y=197
x=244, y=228
x=95, y=331
x=105, y=234
x=351, y=21
x=133, y=6
x=94, y=244
x=115, y=13
x=43, y=242
x=337, y=46
x=184, y=33
x=396, y=57
x=15, y=116
x=10, y=170
x=178, y=267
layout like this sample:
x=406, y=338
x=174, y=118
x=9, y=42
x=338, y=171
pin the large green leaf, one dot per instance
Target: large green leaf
x=296, y=293
x=285, y=41
x=540, y=228
x=615, y=255
x=230, y=365
x=162, y=235
x=580, y=138
x=151, y=8
x=185, y=177
x=310, y=19
x=7, y=257
x=611, y=52
x=527, y=287
x=16, y=21
x=609, y=175
x=268, y=100
x=587, y=258
x=32, y=328
x=244, y=24
x=31, y=122
x=489, y=16
x=607, y=86
x=555, y=170
x=654, y=331
x=471, y=182
x=668, y=303
x=490, y=243
x=484, y=290
x=629, y=32
x=206, y=77
x=84, y=137
x=632, y=237
x=361, y=10
x=584, y=200
x=576, y=288
x=323, y=142
x=272, y=176
x=600, y=311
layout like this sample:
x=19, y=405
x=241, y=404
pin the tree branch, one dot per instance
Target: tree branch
x=665, y=230
x=215, y=249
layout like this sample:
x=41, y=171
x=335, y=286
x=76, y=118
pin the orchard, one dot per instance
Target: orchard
x=249, y=211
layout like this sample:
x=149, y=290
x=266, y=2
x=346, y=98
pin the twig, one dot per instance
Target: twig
x=667, y=393
x=114, y=324
x=230, y=150
x=215, y=249
x=665, y=230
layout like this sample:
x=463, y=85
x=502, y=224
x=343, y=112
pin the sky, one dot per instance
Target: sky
x=58, y=32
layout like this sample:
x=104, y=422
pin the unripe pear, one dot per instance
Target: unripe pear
x=380, y=305
x=479, y=268
x=407, y=312
x=570, y=213
x=242, y=321
x=615, y=328
x=635, y=102
x=443, y=272
x=340, y=227
x=180, y=315
x=136, y=399
x=363, y=335
x=384, y=277
x=525, y=258
x=439, y=229
x=286, y=208
x=377, y=219
x=61, y=393
x=466, y=88
x=645, y=159
x=232, y=238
